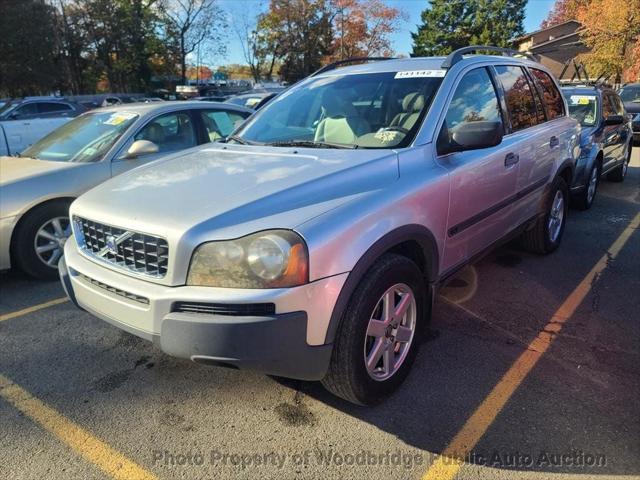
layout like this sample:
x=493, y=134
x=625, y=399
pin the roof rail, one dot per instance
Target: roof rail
x=456, y=56
x=338, y=63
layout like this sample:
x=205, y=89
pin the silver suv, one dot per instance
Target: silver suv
x=310, y=244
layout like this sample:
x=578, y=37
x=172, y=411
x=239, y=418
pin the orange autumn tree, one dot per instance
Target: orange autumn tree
x=611, y=29
x=563, y=11
x=363, y=28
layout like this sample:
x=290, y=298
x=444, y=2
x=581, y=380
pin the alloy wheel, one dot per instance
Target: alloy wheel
x=50, y=239
x=390, y=332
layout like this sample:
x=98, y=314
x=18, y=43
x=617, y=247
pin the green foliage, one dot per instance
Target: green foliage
x=451, y=24
x=28, y=62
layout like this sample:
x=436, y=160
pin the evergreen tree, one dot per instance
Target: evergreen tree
x=451, y=24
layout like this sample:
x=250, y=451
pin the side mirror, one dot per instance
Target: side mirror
x=474, y=135
x=141, y=147
x=614, y=120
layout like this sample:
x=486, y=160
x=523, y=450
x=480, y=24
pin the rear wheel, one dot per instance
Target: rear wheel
x=378, y=336
x=39, y=240
x=546, y=234
x=585, y=199
x=618, y=173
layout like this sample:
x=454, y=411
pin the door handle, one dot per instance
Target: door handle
x=511, y=159
x=554, y=142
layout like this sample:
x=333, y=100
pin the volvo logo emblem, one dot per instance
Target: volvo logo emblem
x=112, y=245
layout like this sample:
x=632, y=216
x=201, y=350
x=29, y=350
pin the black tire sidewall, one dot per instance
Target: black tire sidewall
x=23, y=251
x=399, y=270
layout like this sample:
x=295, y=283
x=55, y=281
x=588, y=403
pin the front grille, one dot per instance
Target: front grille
x=116, y=291
x=238, y=310
x=137, y=252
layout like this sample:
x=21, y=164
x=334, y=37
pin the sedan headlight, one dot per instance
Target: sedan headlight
x=269, y=259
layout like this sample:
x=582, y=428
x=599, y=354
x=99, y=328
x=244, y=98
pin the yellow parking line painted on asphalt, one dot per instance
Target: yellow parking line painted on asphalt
x=96, y=451
x=35, y=308
x=448, y=464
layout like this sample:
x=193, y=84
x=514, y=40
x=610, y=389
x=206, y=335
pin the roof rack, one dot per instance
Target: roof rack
x=457, y=55
x=338, y=63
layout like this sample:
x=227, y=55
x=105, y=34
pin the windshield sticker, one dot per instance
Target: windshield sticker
x=582, y=99
x=118, y=118
x=420, y=73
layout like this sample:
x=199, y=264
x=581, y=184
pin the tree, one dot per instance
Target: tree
x=194, y=24
x=563, y=11
x=28, y=61
x=451, y=24
x=364, y=28
x=302, y=30
x=611, y=29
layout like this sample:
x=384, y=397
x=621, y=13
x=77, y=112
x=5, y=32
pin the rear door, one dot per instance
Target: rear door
x=612, y=143
x=483, y=181
x=536, y=114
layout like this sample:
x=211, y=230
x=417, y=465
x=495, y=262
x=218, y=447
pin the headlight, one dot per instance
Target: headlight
x=269, y=259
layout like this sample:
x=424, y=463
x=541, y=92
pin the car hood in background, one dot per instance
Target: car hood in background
x=632, y=107
x=233, y=190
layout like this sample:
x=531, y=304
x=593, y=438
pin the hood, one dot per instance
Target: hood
x=234, y=190
x=13, y=169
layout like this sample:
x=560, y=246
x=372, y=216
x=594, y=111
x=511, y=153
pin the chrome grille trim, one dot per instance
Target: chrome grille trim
x=133, y=251
x=116, y=291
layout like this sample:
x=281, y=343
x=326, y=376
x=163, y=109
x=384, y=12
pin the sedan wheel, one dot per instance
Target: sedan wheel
x=50, y=239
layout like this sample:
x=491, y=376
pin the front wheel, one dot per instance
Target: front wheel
x=546, y=234
x=377, y=339
x=39, y=240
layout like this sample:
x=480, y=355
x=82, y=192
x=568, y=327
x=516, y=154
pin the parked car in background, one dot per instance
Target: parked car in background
x=606, y=139
x=309, y=244
x=25, y=121
x=38, y=187
x=630, y=95
x=253, y=100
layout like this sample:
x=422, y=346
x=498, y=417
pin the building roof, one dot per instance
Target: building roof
x=527, y=35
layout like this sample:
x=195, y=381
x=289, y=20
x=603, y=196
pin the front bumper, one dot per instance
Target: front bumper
x=289, y=343
x=7, y=225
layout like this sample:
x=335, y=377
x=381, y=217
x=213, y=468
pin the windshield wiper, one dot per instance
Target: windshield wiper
x=236, y=138
x=310, y=144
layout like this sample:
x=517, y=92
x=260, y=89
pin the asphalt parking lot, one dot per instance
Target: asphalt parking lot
x=532, y=370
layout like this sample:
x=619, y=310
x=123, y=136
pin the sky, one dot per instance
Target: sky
x=536, y=11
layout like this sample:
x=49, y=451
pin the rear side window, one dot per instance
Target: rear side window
x=220, y=123
x=51, y=107
x=551, y=96
x=520, y=102
x=608, y=106
x=474, y=100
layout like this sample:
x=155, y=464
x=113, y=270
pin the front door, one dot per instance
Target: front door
x=483, y=181
x=171, y=132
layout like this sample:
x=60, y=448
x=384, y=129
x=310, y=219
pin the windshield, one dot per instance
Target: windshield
x=84, y=139
x=630, y=94
x=377, y=110
x=584, y=108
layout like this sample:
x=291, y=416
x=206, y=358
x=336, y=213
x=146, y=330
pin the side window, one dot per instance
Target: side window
x=617, y=103
x=550, y=95
x=27, y=109
x=220, y=123
x=608, y=107
x=520, y=102
x=171, y=132
x=475, y=100
x=51, y=107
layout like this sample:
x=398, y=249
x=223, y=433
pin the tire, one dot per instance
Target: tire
x=348, y=376
x=618, y=173
x=541, y=238
x=585, y=198
x=26, y=238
